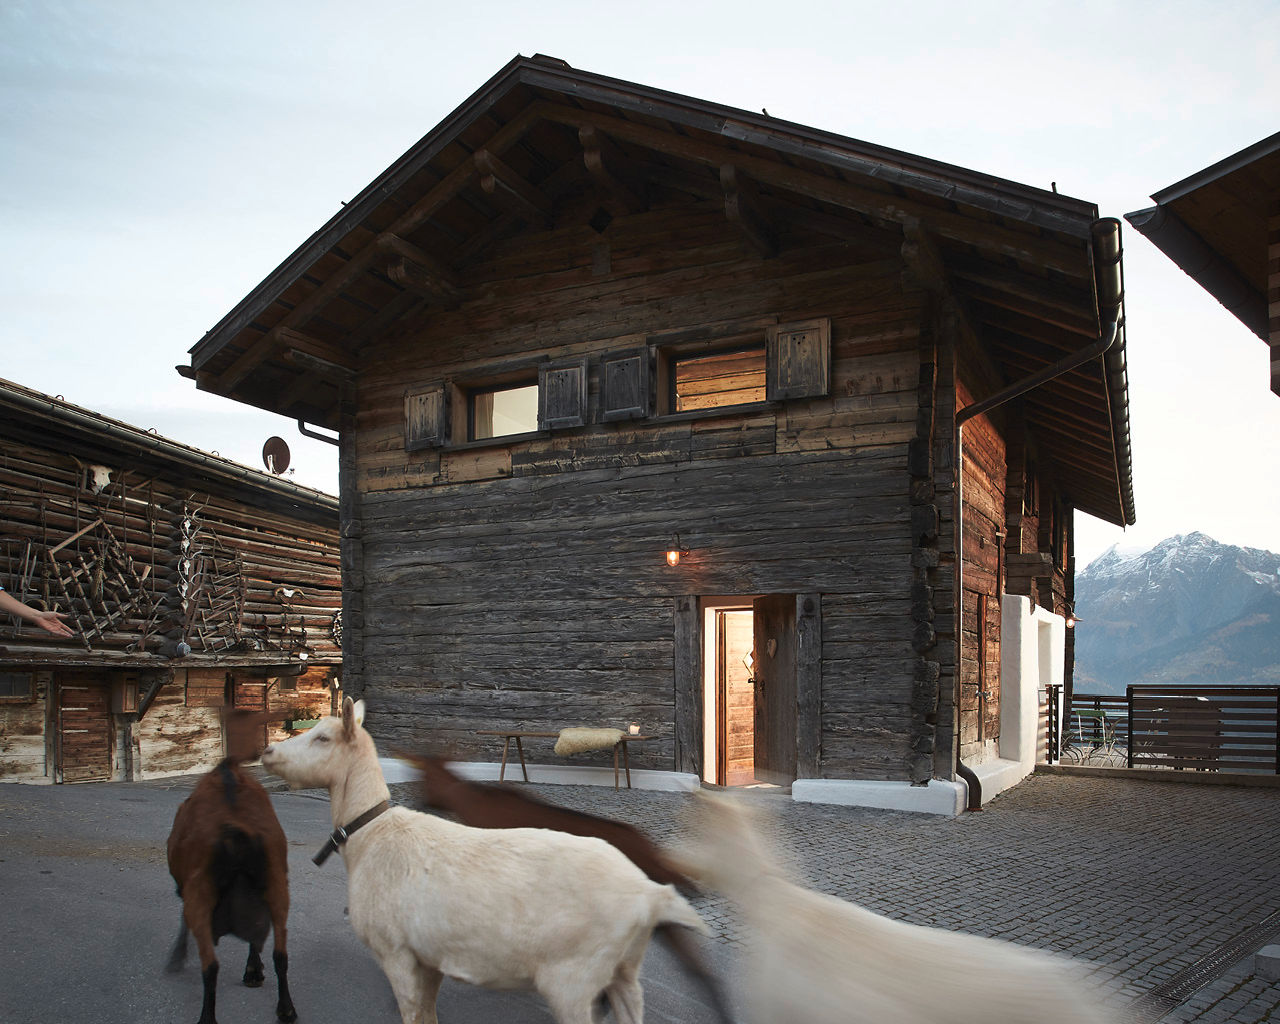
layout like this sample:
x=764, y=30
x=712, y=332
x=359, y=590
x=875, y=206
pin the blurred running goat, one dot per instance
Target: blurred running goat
x=817, y=959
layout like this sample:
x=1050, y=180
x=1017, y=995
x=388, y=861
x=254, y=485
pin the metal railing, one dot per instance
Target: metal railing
x=1202, y=728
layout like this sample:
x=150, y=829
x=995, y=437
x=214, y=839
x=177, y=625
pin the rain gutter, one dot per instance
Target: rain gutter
x=1107, y=270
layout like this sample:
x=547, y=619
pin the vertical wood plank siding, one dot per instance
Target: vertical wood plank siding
x=525, y=585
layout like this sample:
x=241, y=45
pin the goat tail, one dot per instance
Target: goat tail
x=674, y=909
x=178, y=955
x=239, y=855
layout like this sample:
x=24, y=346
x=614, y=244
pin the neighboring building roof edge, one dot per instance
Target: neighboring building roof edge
x=22, y=399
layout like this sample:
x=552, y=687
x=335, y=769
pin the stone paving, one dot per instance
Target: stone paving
x=1138, y=881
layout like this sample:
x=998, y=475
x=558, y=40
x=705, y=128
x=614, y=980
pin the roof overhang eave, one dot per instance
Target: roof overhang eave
x=1202, y=263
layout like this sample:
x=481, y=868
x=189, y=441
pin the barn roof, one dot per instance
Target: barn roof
x=1214, y=226
x=50, y=422
x=523, y=151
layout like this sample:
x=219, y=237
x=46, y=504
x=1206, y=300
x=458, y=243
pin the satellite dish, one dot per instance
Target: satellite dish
x=275, y=455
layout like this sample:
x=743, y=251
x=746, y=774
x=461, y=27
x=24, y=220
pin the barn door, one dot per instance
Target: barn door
x=84, y=727
x=774, y=667
x=251, y=695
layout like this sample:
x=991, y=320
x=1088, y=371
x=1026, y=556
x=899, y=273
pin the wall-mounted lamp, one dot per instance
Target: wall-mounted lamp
x=1072, y=619
x=674, y=551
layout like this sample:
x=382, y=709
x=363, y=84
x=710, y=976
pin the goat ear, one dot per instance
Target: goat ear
x=359, y=709
x=349, y=722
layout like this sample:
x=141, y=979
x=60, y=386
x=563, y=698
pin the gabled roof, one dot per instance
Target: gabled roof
x=41, y=420
x=542, y=143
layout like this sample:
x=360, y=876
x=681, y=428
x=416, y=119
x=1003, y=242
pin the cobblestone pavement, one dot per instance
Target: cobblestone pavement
x=1146, y=884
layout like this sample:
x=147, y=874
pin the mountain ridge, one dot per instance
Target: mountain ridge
x=1189, y=610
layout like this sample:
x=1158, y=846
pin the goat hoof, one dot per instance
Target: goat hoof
x=253, y=979
x=286, y=1013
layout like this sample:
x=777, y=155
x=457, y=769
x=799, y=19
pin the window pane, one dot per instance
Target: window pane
x=726, y=378
x=15, y=684
x=502, y=411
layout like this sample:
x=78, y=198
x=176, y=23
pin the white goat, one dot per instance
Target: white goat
x=816, y=959
x=506, y=908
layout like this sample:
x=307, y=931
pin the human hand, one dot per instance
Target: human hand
x=51, y=622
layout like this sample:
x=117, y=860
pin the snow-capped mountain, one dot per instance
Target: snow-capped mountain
x=1190, y=610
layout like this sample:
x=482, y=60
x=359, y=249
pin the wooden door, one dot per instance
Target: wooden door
x=775, y=689
x=84, y=727
x=250, y=695
x=735, y=697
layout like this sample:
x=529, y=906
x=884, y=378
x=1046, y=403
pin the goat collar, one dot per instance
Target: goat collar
x=339, y=836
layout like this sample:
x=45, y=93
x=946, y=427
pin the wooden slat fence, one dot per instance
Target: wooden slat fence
x=1203, y=728
x=1210, y=728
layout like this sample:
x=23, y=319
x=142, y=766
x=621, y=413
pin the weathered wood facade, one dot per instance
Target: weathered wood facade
x=728, y=328
x=193, y=584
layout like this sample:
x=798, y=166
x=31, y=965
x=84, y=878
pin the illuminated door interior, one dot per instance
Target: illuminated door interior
x=729, y=741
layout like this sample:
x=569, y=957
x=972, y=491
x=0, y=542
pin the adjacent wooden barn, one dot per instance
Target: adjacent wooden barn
x=194, y=584
x=583, y=324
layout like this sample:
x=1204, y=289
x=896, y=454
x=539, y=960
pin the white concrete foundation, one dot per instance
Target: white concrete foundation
x=937, y=797
x=395, y=770
x=1032, y=650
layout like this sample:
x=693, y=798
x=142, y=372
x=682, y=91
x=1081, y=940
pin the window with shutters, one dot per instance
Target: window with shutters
x=16, y=687
x=626, y=385
x=502, y=411
x=426, y=417
x=799, y=358
x=562, y=395
x=717, y=380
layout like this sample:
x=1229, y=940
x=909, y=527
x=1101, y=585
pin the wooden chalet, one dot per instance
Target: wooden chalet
x=1222, y=226
x=194, y=585
x=583, y=323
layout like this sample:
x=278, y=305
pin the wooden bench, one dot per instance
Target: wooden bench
x=518, y=735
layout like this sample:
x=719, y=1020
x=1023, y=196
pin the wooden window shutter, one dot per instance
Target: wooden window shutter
x=799, y=360
x=562, y=395
x=426, y=417
x=626, y=385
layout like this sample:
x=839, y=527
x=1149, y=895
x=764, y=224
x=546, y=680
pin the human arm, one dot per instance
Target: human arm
x=50, y=622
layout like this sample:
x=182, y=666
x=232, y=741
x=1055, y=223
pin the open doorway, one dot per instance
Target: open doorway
x=749, y=690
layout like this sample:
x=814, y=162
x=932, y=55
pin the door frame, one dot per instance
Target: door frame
x=690, y=708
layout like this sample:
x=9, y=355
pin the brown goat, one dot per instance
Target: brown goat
x=229, y=858
x=488, y=806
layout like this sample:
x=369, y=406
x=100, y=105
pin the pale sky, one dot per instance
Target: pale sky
x=159, y=159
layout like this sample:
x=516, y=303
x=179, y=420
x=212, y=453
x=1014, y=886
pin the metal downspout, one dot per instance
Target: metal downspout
x=306, y=431
x=1107, y=256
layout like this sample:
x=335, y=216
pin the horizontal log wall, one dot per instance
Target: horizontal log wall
x=44, y=503
x=524, y=584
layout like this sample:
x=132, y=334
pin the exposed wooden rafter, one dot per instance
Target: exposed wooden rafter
x=604, y=164
x=419, y=271
x=413, y=218
x=883, y=207
x=296, y=343
x=511, y=191
x=744, y=210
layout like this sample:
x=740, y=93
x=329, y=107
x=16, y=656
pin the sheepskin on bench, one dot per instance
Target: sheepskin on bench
x=575, y=740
